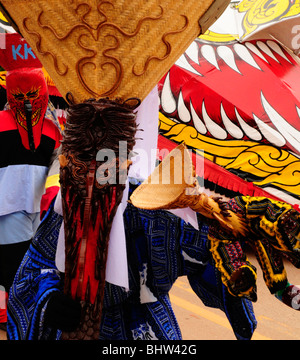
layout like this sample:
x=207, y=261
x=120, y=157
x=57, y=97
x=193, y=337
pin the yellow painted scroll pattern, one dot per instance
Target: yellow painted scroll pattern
x=264, y=165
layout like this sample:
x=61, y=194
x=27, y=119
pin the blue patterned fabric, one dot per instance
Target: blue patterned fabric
x=160, y=248
x=133, y=321
x=170, y=248
x=36, y=278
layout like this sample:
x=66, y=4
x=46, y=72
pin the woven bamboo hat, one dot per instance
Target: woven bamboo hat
x=110, y=48
x=167, y=183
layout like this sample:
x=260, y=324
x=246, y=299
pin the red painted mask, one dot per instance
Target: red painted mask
x=28, y=86
x=25, y=85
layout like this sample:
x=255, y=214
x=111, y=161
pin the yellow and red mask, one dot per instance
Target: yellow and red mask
x=26, y=88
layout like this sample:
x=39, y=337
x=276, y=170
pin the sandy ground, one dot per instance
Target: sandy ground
x=2, y=335
x=275, y=320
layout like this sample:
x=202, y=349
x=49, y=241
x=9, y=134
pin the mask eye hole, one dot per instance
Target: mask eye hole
x=32, y=94
x=19, y=97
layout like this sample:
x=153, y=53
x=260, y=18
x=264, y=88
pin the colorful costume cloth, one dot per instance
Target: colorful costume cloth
x=22, y=182
x=160, y=247
x=275, y=235
x=29, y=131
x=22, y=172
x=29, y=135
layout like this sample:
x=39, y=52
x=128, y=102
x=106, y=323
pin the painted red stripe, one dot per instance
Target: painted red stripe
x=217, y=174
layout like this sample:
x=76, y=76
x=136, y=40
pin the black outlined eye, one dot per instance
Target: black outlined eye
x=19, y=97
x=32, y=94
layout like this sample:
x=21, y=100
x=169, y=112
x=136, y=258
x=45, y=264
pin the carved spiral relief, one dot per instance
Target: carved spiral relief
x=87, y=34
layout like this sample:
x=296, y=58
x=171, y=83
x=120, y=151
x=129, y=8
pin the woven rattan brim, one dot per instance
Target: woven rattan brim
x=167, y=183
x=111, y=48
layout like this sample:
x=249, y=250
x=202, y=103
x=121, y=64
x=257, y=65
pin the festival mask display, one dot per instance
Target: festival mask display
x=84, y=47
